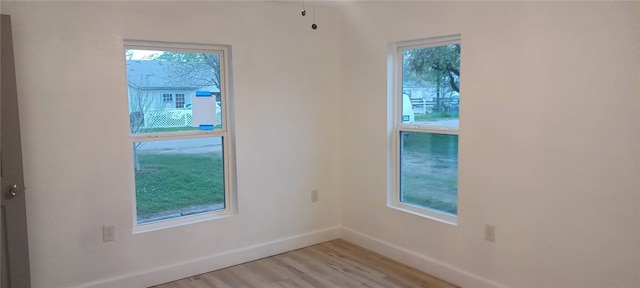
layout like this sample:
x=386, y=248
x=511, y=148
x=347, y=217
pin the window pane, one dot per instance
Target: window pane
x=173, y=91
x=176, y=178
x=430, y=85
x=179, y=100
x=429, y=171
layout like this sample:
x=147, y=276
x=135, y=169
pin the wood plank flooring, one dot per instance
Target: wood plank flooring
x=336, y=263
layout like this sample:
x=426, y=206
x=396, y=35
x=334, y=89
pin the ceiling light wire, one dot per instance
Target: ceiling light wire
x=314, y=26
x=303, y=12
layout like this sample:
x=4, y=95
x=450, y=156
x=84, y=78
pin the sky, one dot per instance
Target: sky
x=142, y=54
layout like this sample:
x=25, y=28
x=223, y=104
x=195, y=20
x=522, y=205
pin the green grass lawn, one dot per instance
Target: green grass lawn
x=429, y=165
x=435, y=116
x=179, y=182
x=175, y=182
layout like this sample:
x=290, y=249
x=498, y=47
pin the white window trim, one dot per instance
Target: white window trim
x=395, y=126
x=226, y=132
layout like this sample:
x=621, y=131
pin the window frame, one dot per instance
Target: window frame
x=226, y=132
x=395, y=126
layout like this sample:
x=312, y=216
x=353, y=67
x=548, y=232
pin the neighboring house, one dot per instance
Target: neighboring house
x=162, y=82
x=160, y=92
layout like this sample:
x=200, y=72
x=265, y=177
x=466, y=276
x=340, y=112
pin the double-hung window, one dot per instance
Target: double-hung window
x=425, y=91
x=183, y=160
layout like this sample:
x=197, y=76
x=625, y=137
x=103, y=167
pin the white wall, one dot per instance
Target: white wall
x=77, y=156
x=549, y=143
x=549, y=152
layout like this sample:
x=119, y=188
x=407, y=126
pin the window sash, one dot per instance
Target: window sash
x=224, y=84
x=229, y=188
x=397, y=78
x=228, y=144
x=428, y=129
x=393, y=198
x=395, y=58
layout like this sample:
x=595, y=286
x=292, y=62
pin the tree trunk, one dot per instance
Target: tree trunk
x=136, y=162
x=438, y=98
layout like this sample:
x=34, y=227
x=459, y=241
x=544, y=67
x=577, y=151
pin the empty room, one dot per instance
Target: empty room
x=488, y=144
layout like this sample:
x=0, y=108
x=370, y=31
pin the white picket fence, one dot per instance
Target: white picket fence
x=167, y=118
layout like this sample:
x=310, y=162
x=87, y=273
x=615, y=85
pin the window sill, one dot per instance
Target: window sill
x=181, y=221
x=425, y=213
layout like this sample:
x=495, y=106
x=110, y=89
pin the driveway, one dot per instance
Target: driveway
x=443, y=122
x=190, y=146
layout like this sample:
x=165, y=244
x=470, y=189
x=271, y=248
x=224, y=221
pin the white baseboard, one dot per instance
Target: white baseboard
x=218, y=261
x=428, y=265
x=242, y=255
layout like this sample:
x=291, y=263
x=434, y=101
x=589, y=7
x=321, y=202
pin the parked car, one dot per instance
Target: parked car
x=408, y=116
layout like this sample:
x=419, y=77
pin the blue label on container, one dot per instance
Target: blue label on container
x=204, y=94
x=206, y=127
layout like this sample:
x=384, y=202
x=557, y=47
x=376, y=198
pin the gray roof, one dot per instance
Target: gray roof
x=165, y=75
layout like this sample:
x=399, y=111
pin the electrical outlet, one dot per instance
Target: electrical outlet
x=108, y=233
x=490, y=233
x=314, y=195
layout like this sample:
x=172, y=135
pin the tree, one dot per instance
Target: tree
x=193, y=68
x=434, y=66
x=140, y=102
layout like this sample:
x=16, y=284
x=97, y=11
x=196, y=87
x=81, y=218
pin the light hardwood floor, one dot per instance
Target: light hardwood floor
x=336, y=263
